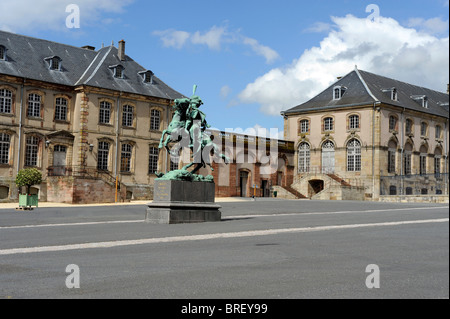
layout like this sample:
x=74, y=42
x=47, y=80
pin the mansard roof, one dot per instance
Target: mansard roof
x=26, y=58
x=365, y=88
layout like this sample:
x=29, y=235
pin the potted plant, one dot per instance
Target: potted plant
x=28, y=177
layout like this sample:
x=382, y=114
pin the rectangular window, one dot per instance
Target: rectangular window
x=5, y=141
x=61, y=109
x=155, y=120
x=392, y=123
x=354, y=122
x=423, y=129
x=127, y=116
x=31, y=151
x=105, y=112
x=5, y=101
x=34, y=105
x=437, y=165
x=304, y=126
x=153, y=160
x=328, y=124
x=438, y=132
x=103, y=154
x=174, y=162
x=125, y=163
x=409, y=127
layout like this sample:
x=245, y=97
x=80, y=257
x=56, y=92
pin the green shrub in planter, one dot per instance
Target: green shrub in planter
x=27, y=178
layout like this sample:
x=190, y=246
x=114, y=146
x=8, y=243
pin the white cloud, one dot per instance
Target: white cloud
x=173, y=38
x=28, y=15
x=433, y=25
x=225, y=91
x=384, y=47
x=319, y=27
x=262, y=50
x=214, y=38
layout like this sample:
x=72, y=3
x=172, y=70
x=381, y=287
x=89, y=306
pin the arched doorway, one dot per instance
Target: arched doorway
x=328, y=157
x=243, y=183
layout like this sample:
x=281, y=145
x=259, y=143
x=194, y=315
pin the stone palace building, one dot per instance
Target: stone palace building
x=368, y=136
x=91, y=121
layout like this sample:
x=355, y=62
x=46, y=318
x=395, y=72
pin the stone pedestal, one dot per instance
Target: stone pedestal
x=179, y=202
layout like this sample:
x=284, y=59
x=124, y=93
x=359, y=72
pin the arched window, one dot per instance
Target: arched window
x=304, y=158
x=328, y=159
x=5, y=143
x=407, y=155
x=392, y=156
x=5, y=101
x=437, y=161
x=354, y=156
x=423, y=160
x=155, y=120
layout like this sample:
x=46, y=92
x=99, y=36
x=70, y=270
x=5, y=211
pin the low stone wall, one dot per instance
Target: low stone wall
x=283, y=193
x=82, y=191
x=414, y=198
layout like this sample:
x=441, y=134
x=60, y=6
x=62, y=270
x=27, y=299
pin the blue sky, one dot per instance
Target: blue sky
x=252, y=59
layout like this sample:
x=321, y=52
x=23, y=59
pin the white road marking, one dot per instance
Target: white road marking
x=73, y=224
x=254, y=233
x=341, y=212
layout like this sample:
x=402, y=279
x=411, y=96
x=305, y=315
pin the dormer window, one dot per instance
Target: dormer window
x=422, y=99
x=117, y=71
x=2, y=53
x=147, y=76
x=54, y=63
x=393, y=92
x=338, y=92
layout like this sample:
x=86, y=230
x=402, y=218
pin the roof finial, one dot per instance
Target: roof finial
x=356, y=67
x=112, y=43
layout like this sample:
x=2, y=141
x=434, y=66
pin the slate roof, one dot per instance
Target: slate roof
x=365, y=88
x=26, y=58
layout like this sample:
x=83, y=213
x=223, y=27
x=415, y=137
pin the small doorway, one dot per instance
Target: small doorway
x=265, y=190
x=59, y=160
x=244, y=183
x=316, y=186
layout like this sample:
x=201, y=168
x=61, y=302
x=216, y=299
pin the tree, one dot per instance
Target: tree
x=28, y=177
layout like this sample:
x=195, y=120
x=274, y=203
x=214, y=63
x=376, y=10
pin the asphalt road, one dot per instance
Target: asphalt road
x=263, y=249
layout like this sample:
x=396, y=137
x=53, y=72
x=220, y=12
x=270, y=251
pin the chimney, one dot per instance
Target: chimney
x=122, y=50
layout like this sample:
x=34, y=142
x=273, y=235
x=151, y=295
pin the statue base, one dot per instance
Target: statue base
x=180, y=202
